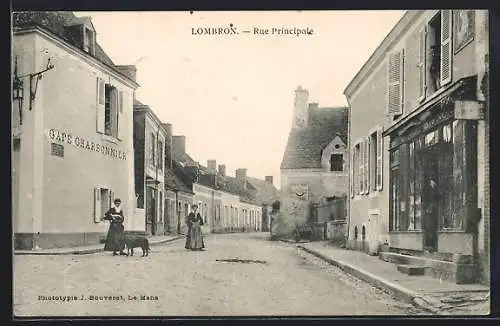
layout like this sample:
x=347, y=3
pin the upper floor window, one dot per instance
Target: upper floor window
x=336, y=162
x=160, y=155
x=152, y=149
x=109, y=110
x=88, y=41
x=435, y=53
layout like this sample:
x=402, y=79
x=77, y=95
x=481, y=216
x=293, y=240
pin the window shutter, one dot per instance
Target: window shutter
x=100, y=109
x=121, y=121
x=114, y=112
x=110, y=195
x=380, y=157
x=446, y=50
x=351, y=172
x=97, y=205
x=395, y=83
x=422, y=63
x=362, y=167
x=367, y=165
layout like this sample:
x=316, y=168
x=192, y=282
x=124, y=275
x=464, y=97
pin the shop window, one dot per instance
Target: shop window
x=56, y=150
x=336, y=162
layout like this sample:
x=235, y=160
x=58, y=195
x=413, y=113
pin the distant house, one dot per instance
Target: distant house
x=149, y=157
x=315, y=163
x=266, y=193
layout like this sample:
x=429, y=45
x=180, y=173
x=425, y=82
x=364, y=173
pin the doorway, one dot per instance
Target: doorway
x=150, y=211
x=430, y=196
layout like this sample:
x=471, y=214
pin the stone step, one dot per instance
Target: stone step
x=411, y=269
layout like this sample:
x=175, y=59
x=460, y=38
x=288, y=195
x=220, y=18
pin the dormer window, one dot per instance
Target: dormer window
x=336, y=162
x=88, y=40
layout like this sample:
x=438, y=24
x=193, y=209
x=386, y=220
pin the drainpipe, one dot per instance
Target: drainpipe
x=156, y=181
x=349, y=196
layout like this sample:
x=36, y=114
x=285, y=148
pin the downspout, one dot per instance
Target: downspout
x=350, y=156
x=156, y=179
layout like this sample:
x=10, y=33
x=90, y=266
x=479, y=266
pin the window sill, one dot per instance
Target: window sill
x=109, y=139
x=452, y=231
x=407, y=231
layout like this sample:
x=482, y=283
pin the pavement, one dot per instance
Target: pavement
x=237, y=275
x=91, y=249
x=434, y=295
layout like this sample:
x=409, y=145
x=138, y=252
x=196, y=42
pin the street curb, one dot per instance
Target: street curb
x=380, y=283
x=81, y=251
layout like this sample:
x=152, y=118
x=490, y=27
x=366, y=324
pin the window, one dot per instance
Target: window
x=89, y=41
x=56, y=150
x=463, y=24
x=103, y=198
x=109, y=110
x=152, y=149
x=336, y=162
x=439, y=49
x=375, y=166
x=160, y=155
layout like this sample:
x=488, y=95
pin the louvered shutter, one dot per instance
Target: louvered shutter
x=421, y=63
x=380, y=157
x=97, y=205
x=351, y=173
x=114, y=112
x=367, y=165
x=361, y=167
x=446, y=46
x=395, y=83
x=120, y=116
x=100, y=105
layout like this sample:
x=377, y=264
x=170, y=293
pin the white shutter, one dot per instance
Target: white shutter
x=114, y=112
x=100, y=109
x=121, y=122
x=422, y=63
x=446, y=49
x=367, y=165
x=97, y=205
x=380, y=157
x=351, y=172
x=395, y=83
x=362, y=167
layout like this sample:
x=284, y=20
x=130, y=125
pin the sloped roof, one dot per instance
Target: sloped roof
x=304, y=146
x=55, y=21
x=266, y=192
x=174, y=181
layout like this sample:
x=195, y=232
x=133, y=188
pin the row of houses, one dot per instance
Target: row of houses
x=414, y=146
x=81, y=138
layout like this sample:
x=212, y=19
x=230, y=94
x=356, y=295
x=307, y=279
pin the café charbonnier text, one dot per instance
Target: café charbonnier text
x=79, y=142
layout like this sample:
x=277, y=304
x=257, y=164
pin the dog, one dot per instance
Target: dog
x=132, y=242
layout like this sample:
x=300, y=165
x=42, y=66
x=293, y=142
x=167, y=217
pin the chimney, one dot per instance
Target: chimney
x=128, y=70
x=212, y=166
x=222, y=170
x=301, y=108
x=168, y=144
x=179, y=145
x=269, y=178
x=241, y=174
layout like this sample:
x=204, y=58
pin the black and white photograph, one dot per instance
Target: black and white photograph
x=265, y=163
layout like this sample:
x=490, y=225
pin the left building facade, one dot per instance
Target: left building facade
x=149, y=148
x=72, y=133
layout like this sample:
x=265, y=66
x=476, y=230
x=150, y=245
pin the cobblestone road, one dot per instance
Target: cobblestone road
x=259, y=278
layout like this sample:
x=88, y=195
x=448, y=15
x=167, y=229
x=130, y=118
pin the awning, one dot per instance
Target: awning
x=464, y=87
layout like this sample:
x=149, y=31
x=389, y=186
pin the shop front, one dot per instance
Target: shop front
x=434, y=180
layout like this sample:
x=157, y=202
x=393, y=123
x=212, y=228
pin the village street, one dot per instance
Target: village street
x=260, y=277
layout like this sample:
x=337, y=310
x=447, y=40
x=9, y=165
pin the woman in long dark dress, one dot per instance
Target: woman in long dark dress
x=115, y=240
x=194, y=238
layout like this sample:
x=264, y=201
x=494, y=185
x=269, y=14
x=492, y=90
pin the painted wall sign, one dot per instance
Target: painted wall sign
x=56, y=135
x=468, y=110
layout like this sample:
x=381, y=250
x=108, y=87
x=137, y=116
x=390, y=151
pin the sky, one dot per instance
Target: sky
x=232, y=95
